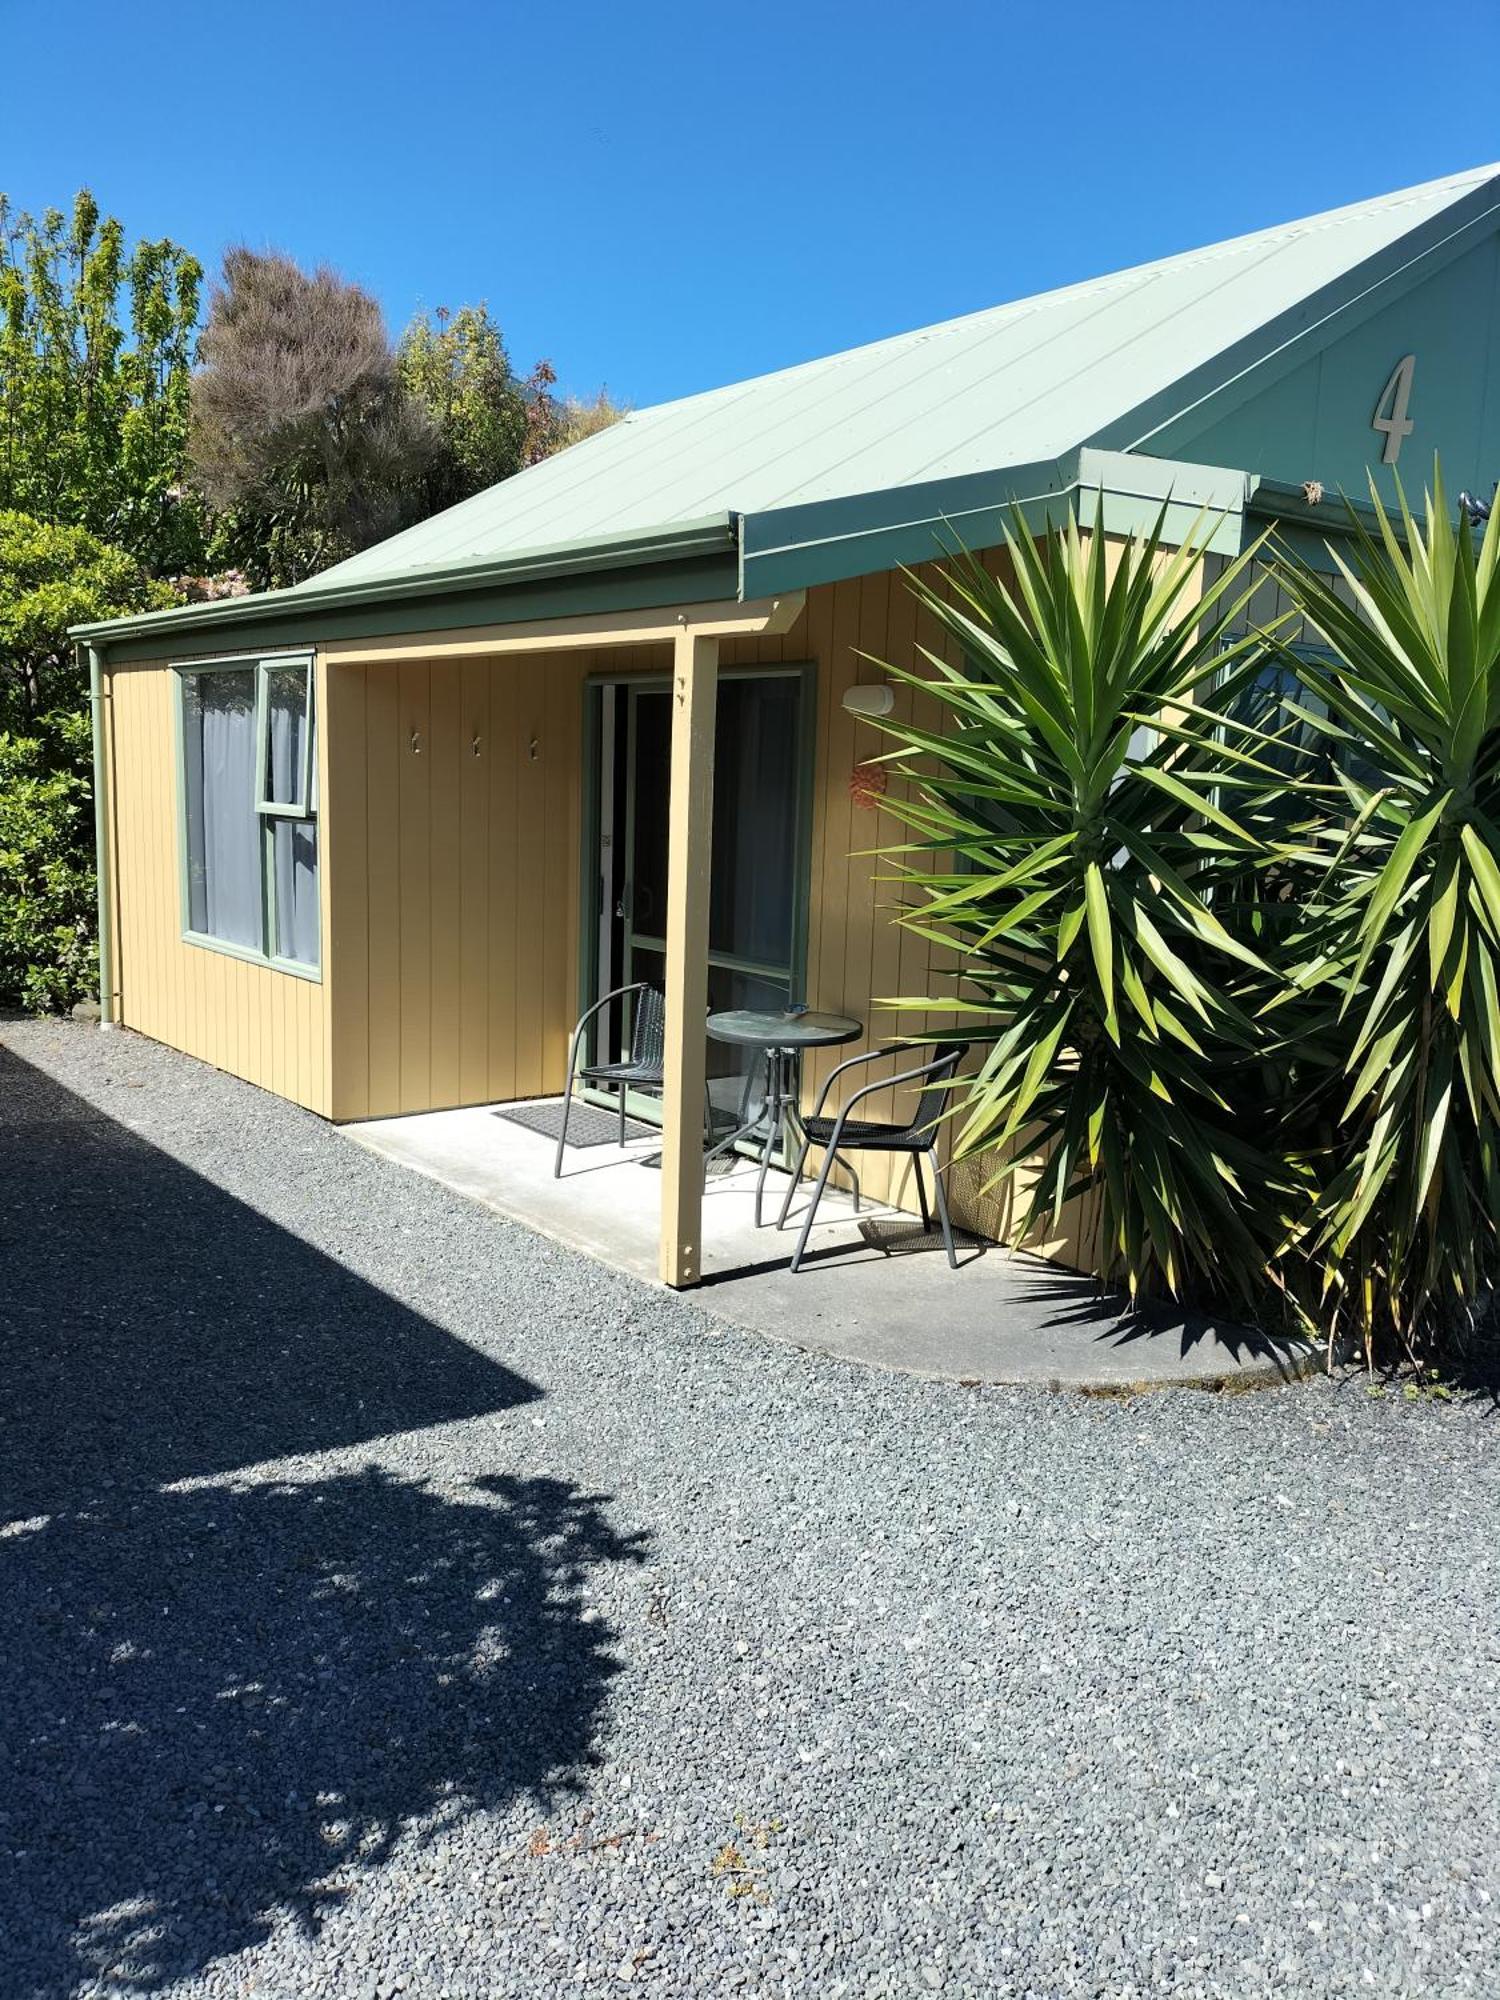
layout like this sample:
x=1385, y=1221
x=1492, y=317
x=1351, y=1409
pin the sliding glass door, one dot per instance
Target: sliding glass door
x=759, y=864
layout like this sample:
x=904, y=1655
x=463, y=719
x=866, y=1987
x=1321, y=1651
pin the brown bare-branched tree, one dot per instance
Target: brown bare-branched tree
x=302, y=436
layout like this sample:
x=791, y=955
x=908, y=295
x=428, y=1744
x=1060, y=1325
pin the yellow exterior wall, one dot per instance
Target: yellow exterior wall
x=270, y=1027
x=454, y=890
x=455, y=805
x=450, y=821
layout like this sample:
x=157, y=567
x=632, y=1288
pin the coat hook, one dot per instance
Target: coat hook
x=416, y=743
x=533, y=749
x=474, y=746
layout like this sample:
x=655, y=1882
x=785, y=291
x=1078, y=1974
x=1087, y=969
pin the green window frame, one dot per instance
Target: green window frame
x=302, y=802
x=269, y=811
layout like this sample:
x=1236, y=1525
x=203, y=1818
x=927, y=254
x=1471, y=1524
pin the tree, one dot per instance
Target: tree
x=96, y=350
x=455, y=369
x=48, y=914
x=301, y=433
x=50, y=578
x=581, y=417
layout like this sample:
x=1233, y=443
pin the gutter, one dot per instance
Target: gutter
x=1283, y=501
x=101, y=841
x=714, y=536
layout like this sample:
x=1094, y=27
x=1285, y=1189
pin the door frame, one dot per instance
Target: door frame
x=590, y=911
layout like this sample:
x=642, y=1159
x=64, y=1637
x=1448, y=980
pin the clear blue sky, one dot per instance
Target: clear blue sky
x=664, y=197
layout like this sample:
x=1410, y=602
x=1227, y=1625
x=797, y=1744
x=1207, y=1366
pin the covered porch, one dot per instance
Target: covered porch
x=661, y=797
x=875, y=1289
x=482, y=919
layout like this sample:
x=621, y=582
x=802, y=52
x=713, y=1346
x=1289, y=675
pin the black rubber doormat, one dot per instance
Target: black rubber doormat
x=588, y=1124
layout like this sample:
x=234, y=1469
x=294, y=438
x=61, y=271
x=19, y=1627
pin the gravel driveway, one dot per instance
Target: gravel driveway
x=393, y=1602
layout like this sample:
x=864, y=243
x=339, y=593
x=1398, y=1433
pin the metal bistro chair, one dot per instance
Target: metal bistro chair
x=642, y=1067
x=844, y=1134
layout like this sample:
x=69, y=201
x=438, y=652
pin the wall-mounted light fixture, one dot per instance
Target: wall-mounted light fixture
x=871, y=698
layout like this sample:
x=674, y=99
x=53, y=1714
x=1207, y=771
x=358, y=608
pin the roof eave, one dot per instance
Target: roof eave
x=714, y=536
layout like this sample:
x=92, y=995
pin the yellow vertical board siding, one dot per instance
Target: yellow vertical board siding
x=451, y=879
x=565, y=731
x=474, y=883
x=417, y=757
x=445, y=883
x=465, y=986
x=532, y=760
x=384, y=750
x=502, y=764
x=267, y=1026
x=514, y=930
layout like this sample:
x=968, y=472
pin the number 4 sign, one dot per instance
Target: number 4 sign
x=1390, y=411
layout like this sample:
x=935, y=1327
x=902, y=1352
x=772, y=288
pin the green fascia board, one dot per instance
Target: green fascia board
x=1252, y=365
x=1287, y=505
x=823, y=541
x=794, y=548
x=481, y=591
x=380, y=615
x=1130, y=493
x=1313, y=530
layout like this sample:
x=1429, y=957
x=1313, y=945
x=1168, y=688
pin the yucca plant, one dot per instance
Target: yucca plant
x=1398, y=982
x=1075, y=834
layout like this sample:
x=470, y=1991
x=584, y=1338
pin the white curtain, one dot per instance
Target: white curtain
x=223, y=827
x=296, y=863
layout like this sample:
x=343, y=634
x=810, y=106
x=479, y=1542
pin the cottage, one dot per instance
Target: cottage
x=373, y=842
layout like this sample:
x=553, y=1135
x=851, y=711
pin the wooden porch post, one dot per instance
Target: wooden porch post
x=695, y=674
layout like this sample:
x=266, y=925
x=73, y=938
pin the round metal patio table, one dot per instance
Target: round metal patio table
x=781, y=1037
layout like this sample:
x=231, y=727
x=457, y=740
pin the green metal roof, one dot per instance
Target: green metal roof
x=943, y=424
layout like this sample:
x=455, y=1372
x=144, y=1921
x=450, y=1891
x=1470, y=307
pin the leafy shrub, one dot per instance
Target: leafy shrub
x=1396, y=963
x=48, y=955
x=1081, y=854
x=1233, y=968
x=51, y=577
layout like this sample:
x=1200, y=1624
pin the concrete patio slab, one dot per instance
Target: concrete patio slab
x=876, y=1287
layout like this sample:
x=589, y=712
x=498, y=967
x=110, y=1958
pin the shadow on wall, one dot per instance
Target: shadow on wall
x=222, y=1703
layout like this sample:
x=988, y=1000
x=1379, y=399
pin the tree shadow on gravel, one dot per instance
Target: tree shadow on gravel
x=155, y=1328
x=223, y=1702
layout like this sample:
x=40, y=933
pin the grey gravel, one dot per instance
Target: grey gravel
x=395, y=1603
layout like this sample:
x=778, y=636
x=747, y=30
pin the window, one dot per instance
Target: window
x=249, y=800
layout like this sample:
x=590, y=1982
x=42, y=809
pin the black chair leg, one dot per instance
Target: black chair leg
x=916, y=1167
x=942, y=1207
x=624, y=1093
